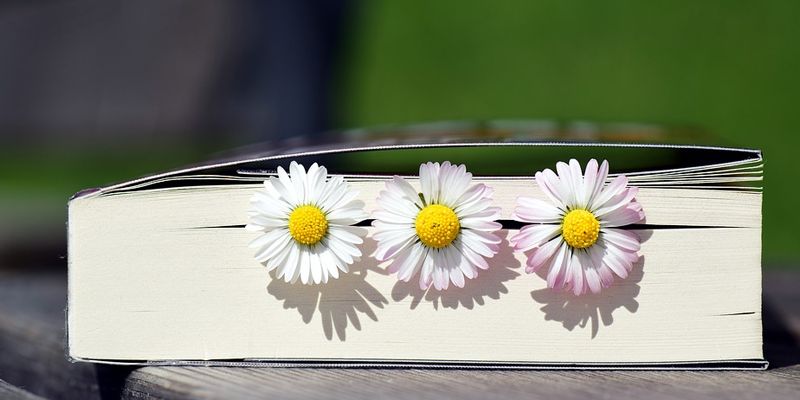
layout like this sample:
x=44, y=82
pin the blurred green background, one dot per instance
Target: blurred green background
x=730, y=67
x=727, y=67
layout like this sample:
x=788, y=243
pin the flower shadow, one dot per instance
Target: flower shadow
x=591, y=308
x=489, y=284
x=341, y=303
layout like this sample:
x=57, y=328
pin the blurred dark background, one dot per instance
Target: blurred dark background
x=93, y=92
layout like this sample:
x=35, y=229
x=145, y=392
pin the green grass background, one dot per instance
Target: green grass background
x=729, y=67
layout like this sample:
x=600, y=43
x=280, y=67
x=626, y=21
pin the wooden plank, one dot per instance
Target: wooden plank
x=32, y=339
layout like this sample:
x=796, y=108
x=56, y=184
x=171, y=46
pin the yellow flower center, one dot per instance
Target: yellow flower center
x=307, y=225
x=437, y=226
x=580, y=229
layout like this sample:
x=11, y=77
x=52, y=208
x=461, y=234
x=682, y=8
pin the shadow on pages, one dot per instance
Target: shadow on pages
x=592, y=309
x=489, y=284
x=342, y=303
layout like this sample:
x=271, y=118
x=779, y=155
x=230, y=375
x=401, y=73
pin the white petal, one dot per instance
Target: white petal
x=474, y=242
x=457, y=185
x=385, y=216
x=389, y=248
x=531, y=236
x=273, y=248
x=305, y=266
x=353, y=211
x=265, y=239
x=315, y=266
x=481, y=224
x=402, y=188
x=536, y=211
x=428, y=180
x=426, y=275
x=471, y=255
x=285, y=187
x=289, y=269
x=298, y=174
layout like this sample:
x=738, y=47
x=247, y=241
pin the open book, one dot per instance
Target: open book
x=160, y=270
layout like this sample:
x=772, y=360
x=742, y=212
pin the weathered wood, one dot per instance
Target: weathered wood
x=32, y=340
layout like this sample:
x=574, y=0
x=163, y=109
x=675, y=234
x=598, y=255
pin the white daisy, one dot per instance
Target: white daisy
x=577, y=235
x=306, y=220
x=444, y=231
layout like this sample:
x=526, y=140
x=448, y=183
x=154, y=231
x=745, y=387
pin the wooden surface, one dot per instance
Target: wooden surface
x=33, y=364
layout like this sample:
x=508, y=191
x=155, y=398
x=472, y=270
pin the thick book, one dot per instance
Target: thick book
x=161, y=270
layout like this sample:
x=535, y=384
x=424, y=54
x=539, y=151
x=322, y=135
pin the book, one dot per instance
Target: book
x=161, y=270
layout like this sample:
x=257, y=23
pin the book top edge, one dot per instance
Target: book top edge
x=349, y=148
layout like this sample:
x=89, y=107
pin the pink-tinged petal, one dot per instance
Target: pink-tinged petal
x=630, y=214
x=592, y=279
x=589, y=182
x=577, y=278
x=556, y=276
x=614, y=260
x=542, y=255
x=622, y=238
x=621, y=200
x=567, y=182
x=602, y=175
x=578, y=186
x=614, y=188
x=551, y=187
x=476, y=207
x=606, y=276
x=531, y=236
x=536, y=211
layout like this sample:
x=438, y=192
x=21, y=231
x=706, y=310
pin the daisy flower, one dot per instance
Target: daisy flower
x=576, y=235
x=306, y=220
x=444, y=231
